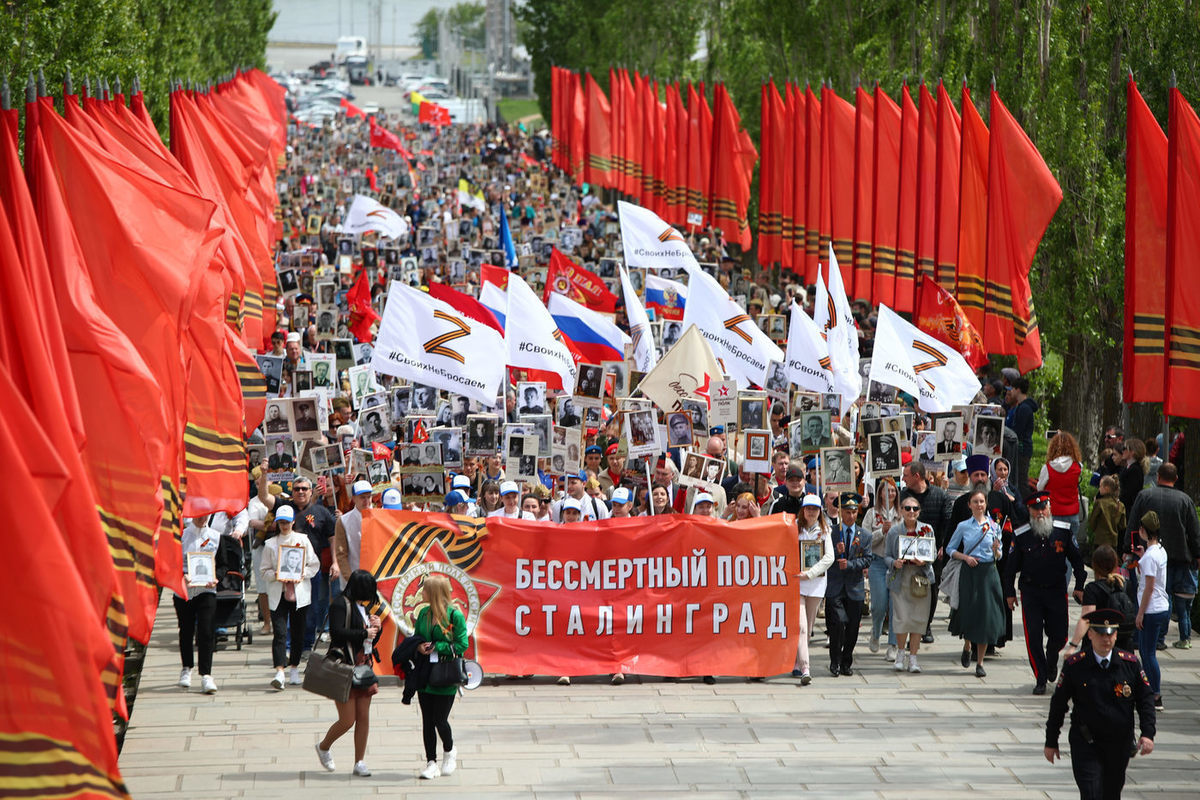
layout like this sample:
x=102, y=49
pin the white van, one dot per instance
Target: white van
x=350, y=46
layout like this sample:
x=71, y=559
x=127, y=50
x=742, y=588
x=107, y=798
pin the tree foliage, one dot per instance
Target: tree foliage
x=467, y=19
x=155, y=40
x=1059, y=65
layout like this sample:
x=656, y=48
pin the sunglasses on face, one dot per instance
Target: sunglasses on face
x=911, y=508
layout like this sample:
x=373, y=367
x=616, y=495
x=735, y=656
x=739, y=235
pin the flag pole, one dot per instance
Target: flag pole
x=1165, y=450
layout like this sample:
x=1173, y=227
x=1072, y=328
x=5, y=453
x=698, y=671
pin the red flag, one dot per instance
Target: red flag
x=771, y=179
x=577, y=114
x=419, y=434
x=864, y=197
x=940, y=316
x=906, y=207
x=598, y=167
x=926, y=182
x=467, y=305
x=362, y=313
x=383, y=138
x=1022, y=199
x=380, y=452
x=700, y=125
x=972, y=213
x=814, y=138
x=56, y=736
x=729, y=195
x=949, y=152
x=677, y=157
x=578, y=284
x=634, y=145
x=371, y=181
x=1182, y=393
x=837, y=182
x=556, y=117
x=798, y=120
x=1145, y=251
x=352, y=110
x=887, y=197
x=650, y=136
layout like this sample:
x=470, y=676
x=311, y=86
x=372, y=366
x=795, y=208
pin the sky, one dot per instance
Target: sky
x=318, y=20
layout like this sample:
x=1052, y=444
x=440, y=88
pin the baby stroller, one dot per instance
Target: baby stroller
x=232, y=565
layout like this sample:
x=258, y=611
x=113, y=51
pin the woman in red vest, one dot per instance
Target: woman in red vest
x=1060, y=477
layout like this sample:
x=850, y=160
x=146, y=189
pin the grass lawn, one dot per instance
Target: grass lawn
x=512, y=109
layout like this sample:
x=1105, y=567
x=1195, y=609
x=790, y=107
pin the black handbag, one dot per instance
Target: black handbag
x=333, y=675
x=448, y=672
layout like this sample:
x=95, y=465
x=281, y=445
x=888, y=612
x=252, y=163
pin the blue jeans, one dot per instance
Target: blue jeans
x=881, y=599
x=1147, y=641
x=1181, y=588
x=318, y=614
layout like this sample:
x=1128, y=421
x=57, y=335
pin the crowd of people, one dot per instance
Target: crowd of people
x=957, y=516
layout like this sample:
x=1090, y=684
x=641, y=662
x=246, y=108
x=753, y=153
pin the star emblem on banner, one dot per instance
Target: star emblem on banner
x=703, y=390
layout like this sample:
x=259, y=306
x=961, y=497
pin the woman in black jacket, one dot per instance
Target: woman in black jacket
x=353, y=630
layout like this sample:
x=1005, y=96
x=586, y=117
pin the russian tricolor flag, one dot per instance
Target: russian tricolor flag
x=589, y=335
x=668, y=298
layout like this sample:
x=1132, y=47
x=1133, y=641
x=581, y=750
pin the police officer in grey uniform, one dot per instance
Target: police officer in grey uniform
x=1104, y=688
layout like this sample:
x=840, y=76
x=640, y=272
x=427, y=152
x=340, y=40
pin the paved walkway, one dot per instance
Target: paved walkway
x=874, y=735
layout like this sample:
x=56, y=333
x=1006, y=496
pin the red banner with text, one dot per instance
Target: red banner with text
x=673, y=595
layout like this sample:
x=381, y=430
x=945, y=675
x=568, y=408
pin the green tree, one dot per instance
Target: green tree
x=425, y=34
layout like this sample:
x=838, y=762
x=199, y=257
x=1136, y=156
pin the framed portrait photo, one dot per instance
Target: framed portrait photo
x=290, y=566
x=810, y=553
x=679, y=429
x=884, y=453
x=917, y=548
x=837, y=469
x=752, y=412
x=202, y=567
x=758, y=451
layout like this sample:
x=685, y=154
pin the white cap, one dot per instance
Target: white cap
x=571, y=502
x=393, y=499
x=361, y=487
x=811, y=500
x=509, y=487
x=460, y=482
x=293, y=336
x=285, y=514
x=702, y=497
x=620, y=496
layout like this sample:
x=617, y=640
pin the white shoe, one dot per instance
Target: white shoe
x=618, y=678
x=891, y=652
x=277, y=681
x=185, y=678
x=450, y=761
x=564, y=681
x=326, y=758
x=360, y=769
x=913, y=666
x=207, y=684
x=900, y=664
x=431, y=771
x=873, y=645
x=294, y=676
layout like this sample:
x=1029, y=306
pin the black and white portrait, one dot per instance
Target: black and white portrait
x=751, y=412
x=481, y=435
x=815, y=431
x=272, y=369
x=450, y=440
x=777, y=379
x=305, y=410
x=989, y=435
x=837, y=470
x=884, y=449
x=590, y=382
x=531, y=398
x=424, y=399
x=679, y=429
x=278, y=417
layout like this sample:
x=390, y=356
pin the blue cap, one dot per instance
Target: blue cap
x=583, y=476
x=453, y=499
x=593, y=448
x=716, y=430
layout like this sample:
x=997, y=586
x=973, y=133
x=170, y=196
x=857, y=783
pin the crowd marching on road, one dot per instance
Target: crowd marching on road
x=955, y=515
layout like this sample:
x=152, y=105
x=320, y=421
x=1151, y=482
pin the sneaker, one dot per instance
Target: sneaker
x=796, y=673
x=277, y=681
x=294, y=676
x=185, y=678
x=913, y=666
x=873, y=645
x=326, y=758
x=1158, y=703
x=360, y=769
x=564, y=681
x=927, y=638
x=617, y=679
x=891, y=652
x=450, y=761
x=431, y=771
x=1183, y=644
x=207, y=684
x=805, y=679
x=901, y=662
x=324, y=637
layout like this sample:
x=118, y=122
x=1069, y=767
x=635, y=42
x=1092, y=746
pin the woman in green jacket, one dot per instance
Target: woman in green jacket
x=444, y=628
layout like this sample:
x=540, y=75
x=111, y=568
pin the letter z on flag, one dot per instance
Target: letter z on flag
x=912, y=360
x=743, y=348
x=427, y=341
x=651, y=243
x=366, y=214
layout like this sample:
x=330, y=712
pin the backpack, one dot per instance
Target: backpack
x=1119, y=600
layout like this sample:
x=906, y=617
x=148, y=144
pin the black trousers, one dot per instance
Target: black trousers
x=1099, y=767
x=842, y=617
x=287, y=619
x=1044, y=614
x=435, y=721
x=197, y=621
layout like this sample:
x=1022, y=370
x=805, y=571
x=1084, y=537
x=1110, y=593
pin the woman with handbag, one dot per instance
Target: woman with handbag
x=979, y=619
x=444, y=629
x=878, y=521
x=910, y=580
x=353, y=631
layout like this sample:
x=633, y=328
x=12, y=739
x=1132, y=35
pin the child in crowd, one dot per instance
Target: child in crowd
x=1106, y=521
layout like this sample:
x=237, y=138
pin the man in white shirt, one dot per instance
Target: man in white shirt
x=590, y=507
x=622, y=502
x=347, y=532
x=510, y=495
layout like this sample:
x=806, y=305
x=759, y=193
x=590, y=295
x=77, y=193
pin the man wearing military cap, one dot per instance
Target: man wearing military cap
x=1041, y=553
x=1104, y=687
x=844, y=590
